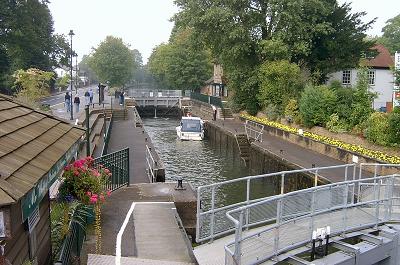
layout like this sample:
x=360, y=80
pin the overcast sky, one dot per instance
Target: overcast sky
x=145, y=23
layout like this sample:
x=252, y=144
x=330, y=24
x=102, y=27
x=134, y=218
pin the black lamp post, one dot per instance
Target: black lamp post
x=71, y=33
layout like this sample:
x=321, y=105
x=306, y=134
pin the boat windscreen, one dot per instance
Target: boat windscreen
x=191, y=126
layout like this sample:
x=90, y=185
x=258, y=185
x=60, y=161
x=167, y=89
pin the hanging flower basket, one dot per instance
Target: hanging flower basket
x=84, y=182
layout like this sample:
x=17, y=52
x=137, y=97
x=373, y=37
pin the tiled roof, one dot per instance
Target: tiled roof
x=31, y=142
x=383, y=58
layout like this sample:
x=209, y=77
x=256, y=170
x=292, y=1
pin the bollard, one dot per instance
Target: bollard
x=180, y=184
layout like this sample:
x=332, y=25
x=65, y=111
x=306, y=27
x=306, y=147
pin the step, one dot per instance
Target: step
x=110, y=260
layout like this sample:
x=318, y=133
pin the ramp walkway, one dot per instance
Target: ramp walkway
x=268, y=227
x=125, y=134
x=140, y=224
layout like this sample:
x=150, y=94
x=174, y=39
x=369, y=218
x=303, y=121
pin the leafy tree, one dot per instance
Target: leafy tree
x=240, y=34
x=394, y=127
x=279, y=81
x=85, y=69
x=363, y=99
x=32, y=84
x=316, y=105
x=182, y=63
x=377, y=126
x=113, y=61
x=391, y=34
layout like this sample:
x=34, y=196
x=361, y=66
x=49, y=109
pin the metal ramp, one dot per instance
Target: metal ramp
x=266, y=228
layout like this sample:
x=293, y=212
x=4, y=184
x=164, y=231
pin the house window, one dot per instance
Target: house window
x=346, y=78
x=371, y=77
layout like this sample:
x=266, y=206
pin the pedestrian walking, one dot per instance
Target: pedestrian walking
x=67, y=101
x=77, y=101
x=87, y=98
x=121, y=98
x=91, y=95
x=214, y=112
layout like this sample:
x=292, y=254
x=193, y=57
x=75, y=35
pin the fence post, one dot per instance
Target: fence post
x=278, y=221
x=212, y=213
x=127, y=166
x=247, y=203
x=238, y=239
x=378, y=195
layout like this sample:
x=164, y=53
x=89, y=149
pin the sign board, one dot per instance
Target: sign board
x=32, y=200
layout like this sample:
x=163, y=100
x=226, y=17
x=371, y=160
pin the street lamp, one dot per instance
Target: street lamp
x=76, y=73
x=71, y=33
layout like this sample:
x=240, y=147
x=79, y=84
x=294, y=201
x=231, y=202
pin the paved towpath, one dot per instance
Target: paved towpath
x=294, y=154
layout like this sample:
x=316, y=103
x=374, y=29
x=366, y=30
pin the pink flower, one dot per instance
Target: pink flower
x=108, y=193
x=93, y=199
x=102, y=198
x=76, y=173
x=88, y=193
x=67, y=168
x=95, y=196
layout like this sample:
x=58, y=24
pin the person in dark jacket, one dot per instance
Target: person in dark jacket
x=77, y=101
x=67, y=101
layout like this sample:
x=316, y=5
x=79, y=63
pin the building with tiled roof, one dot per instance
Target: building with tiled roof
x=34, y=148
x=380, y=76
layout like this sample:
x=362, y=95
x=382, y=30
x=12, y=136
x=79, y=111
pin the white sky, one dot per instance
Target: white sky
x=144, y=23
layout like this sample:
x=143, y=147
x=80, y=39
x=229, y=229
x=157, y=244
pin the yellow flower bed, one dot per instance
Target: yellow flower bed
x=349, y=147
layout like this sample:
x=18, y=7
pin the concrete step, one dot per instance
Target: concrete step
x=111, y=260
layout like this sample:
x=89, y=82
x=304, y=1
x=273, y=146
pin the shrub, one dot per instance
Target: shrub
x=336, y=125
x=394, y=127
x=272, y=112
x=377, y=128
x=279, y=81
x=292, y=111
x=316, y=105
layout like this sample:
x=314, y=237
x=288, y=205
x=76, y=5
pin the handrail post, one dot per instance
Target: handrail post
x=278, y=221
x=238, y=240
x=316, y=178
x=312, y=211
x=212, y=213
x=198, y=214
x=247, y=203
x=282, y=183
x=378, y=195
x=345, y=202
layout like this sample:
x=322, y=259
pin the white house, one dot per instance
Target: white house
x=380, y=77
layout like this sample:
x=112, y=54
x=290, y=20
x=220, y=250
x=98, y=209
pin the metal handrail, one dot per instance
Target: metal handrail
x=207, y=220
x=280, y=219
x=150, y=165
x=254, y=130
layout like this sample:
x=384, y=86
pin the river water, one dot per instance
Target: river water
x=200, y=163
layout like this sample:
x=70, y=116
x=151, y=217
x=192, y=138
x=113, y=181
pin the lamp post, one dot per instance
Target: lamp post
x=71, y=33
x=76, y=73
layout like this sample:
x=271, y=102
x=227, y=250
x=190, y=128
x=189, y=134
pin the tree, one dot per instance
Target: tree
x=27, y=39
x=237, y=33
x=32, y=84
x=86, y=70
x=113, y=61
x=182, y=63
x=279, y=82
x=391, y=34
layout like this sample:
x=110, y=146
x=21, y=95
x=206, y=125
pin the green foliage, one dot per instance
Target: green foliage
x=362, y=100
x=63, y=82
x=377, y=127
x=182, y=63
x=292, y=112
x=345, y=97
x=113, y=61
x=391, y=34
x=242, y=35
x=316, y=105
x=86, y=70
x=336, y=125
x=32, y=84
x=62, y=216
x=394, y=127
x=279, y=81
x=272, y=112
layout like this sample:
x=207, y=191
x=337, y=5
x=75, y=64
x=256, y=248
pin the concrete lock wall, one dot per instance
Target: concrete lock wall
x=261, y=161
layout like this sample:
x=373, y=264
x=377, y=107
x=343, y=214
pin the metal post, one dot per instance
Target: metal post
x=71, y=33
x=198, y=214
x=212, y=213
x=278, y=221
x=316, y=178
x=127, y=165
x=247, y=203
x=238, y=239
x=282, y=183
x=87, y=130
x=377, y=203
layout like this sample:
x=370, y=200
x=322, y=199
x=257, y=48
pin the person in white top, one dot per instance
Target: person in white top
x=214, y=112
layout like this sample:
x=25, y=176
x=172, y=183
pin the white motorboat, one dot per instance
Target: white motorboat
x=190, y=128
